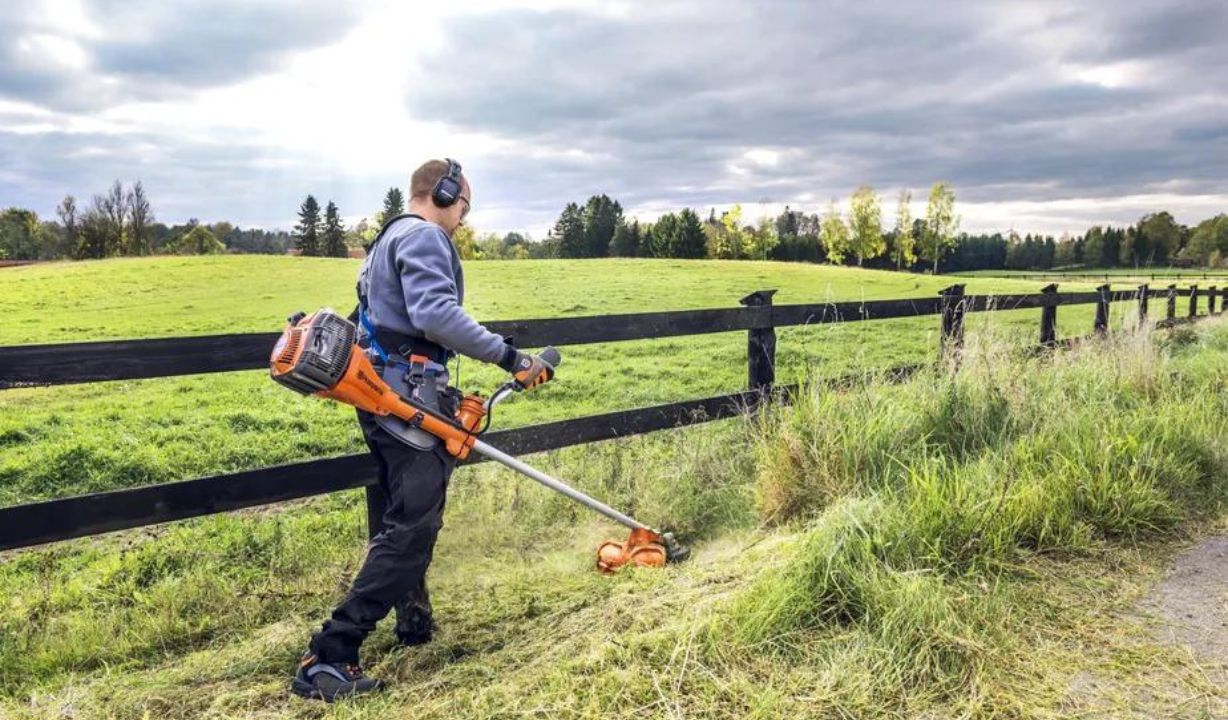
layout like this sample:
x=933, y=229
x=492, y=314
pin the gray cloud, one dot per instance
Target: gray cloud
x=1157, y=30
x=158, y=50
x=669, y=104
x=666, y=99
x=230, y=179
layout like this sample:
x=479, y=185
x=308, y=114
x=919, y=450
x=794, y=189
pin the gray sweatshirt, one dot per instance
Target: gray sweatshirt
x=415, y=286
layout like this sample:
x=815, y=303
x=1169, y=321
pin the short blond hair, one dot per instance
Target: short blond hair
x=422, y=183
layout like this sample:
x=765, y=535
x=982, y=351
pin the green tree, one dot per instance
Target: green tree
x=465, y=240
x=834, y=234
x=545, y=249
x=114, y=207
x=569, y=232
x=362, y=234
x=1161, y=235
x=941, y=224
x=764, y=239
x=689, y=240
x=866, y=221
x=601, y=217
x=394, y=204
x=101, y=228
x=140, y=217
x=787, y=224
x=22, y=236
x=334, y=233
x=1209, y=238
x=903, y=243
x=626, y=241
x=735, y=240
x=199, y=241
x=663, y=236
x=648, y=240
x=67, y=212
x=307, y=232
x=1065, y=253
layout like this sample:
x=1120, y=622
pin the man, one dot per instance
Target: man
x=410, y=291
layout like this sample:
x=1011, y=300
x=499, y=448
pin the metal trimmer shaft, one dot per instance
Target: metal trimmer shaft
x=558, y=486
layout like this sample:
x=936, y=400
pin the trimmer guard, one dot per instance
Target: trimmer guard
x=644, y=548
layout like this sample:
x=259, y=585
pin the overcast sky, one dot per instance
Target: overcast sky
x=1044, y=115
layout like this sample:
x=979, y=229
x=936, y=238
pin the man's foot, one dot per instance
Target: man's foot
x=329, y=681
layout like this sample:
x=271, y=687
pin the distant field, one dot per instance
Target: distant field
x=84, y=438
x=1186, y=275
x=174, y=296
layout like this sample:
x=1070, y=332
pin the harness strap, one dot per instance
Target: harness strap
x=378, y=340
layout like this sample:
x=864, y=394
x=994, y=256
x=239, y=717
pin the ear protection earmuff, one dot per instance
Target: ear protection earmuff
x=448, y=189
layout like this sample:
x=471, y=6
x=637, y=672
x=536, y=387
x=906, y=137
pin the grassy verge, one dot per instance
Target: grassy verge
x=957, y=545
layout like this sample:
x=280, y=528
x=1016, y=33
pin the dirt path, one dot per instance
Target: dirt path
x=1190, y=606
x=1186, y=616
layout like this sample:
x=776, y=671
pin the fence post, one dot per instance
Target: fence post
x=1142, y=304
x=952, y=338
x=1102, y=310
x=1048, y=319
x=1172, y=302
x=1193, y=300
x=760, y=347
x=1211, y=300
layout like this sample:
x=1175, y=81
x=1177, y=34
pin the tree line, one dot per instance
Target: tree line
x=1155, y=240
x=861, y=236
x=600, y=229
x=121, y=222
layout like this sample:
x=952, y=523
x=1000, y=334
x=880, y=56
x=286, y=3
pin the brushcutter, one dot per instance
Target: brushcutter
x=317, y=354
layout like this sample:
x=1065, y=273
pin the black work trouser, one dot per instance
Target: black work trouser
x=394, y=573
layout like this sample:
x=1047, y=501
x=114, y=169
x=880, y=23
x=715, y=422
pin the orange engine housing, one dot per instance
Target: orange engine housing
x=317, y=355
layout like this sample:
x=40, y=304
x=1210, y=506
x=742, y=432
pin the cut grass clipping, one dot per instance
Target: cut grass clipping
x=878, y=550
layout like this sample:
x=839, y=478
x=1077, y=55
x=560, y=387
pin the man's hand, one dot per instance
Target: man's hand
x=530, y=371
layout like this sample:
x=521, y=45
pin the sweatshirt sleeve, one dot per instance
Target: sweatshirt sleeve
x=424, y=262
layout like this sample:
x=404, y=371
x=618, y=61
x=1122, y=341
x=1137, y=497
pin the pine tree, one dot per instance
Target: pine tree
x=307, y=232
x=690, y=241
x=601, y=217
x=394, y=204
x=334, y=233
x=664, y=237
x=626, y=241
x=569, y=232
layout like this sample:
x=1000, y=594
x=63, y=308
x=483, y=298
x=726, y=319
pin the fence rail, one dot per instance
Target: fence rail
x=83, y=515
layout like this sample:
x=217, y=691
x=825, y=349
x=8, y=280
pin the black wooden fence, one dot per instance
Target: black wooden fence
x=82, y=515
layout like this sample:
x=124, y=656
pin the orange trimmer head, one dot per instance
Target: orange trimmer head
x=644, y=548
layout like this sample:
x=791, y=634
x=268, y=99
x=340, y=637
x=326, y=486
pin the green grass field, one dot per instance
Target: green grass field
x=85, y=438
x=959, y=545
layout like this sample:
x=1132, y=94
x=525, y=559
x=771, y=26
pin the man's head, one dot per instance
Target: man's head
x=421, y=187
